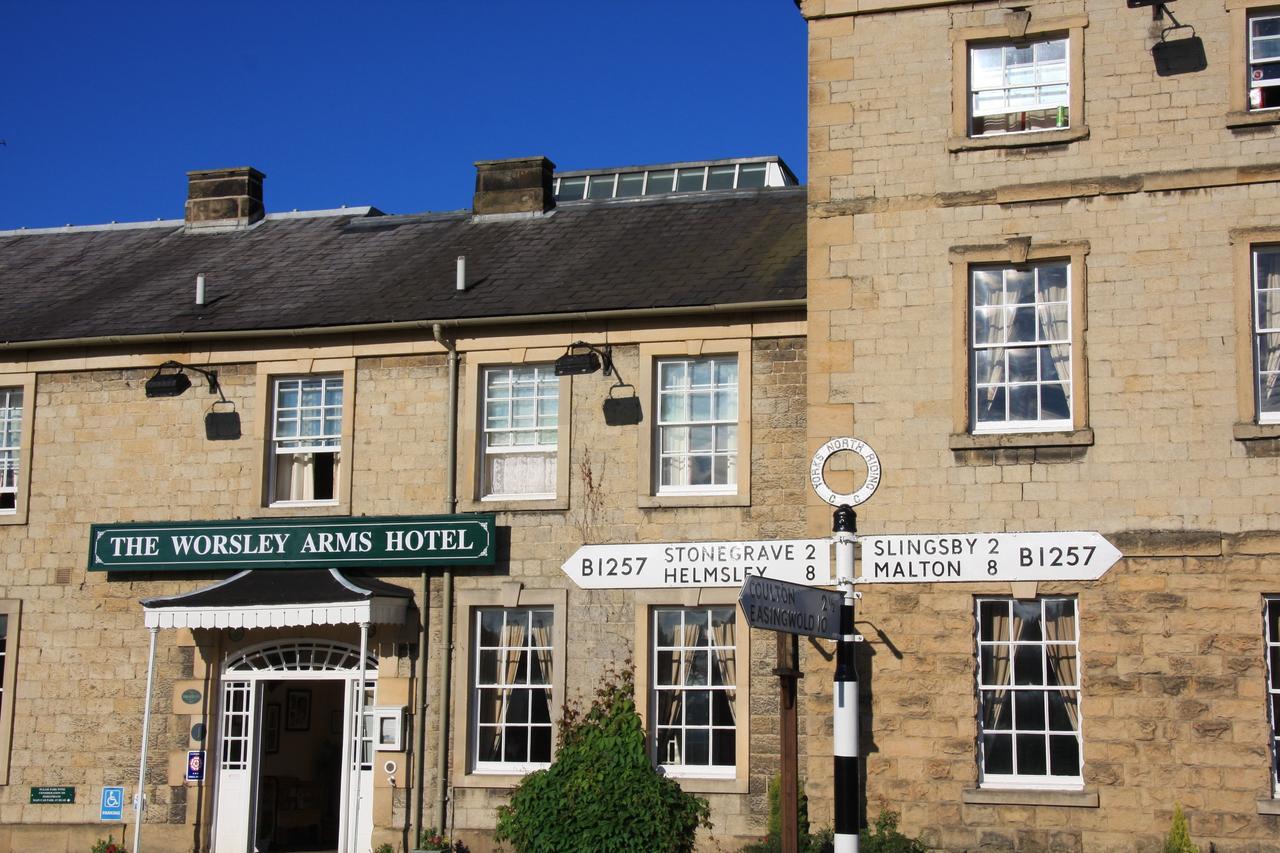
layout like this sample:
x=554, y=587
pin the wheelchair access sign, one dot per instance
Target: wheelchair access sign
x=112, y=804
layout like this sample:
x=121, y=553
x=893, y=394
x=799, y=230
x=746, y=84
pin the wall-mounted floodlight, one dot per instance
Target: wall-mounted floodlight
x=168, y=384
x=176, y=383
x=581, y=363
x=218, y=426
x=618, y=411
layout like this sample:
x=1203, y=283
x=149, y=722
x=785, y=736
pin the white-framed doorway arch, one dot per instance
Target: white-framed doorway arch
x=243, y=676
x=298, y=599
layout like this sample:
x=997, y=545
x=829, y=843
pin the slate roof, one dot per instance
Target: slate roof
x=699, y=249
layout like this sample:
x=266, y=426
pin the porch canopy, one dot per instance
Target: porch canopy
x=260, y=598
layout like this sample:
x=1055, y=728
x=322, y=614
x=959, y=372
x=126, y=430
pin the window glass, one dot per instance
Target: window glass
x=601, y=186
x=571, y=189
x=663, y=181
x=10, y=445
x=306, y=439
x=630, y=184
x=1272, y=635
x=1020, y=347
x=1264, y=61
x=691, y=179
x=751, y=175
x=521, y=415
x=1266, y=327
x=697, y=424
x=721, y=177
x=511, y=707
x=694, y=690
x=1029, y=692
x=1015, y=88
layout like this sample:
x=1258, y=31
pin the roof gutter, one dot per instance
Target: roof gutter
x=405, y=325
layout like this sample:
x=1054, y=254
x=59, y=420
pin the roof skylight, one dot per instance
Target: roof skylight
x=675, y=177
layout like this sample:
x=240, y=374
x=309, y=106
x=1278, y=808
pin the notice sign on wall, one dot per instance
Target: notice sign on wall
x=52, y=795
x=298, y=543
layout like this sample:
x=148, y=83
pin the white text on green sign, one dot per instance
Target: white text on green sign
x=294, y=543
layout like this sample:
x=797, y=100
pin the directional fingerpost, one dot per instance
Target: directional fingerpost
x=775, y=605
x=970, y=557
x=659, y=565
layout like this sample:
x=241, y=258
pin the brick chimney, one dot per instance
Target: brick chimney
x=518, y=185
x=224, y=198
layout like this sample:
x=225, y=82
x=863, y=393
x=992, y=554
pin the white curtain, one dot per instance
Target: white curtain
x=1055, y=326
x=521, y=474
x=1269, y=346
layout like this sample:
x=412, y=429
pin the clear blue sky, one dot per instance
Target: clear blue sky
x=105, y=106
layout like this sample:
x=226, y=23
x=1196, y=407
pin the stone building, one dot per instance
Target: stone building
x=1042, y=250
x=251, y=460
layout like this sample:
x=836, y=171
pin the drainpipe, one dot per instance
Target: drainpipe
x=446, y=604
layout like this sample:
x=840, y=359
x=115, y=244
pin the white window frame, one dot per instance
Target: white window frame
x=1262, y=327
x=11, y=609
x=771, y=175
x=1037, y=84
x=1257, y=85
x=1270, y=618
x=11, y=409
x=529, y=647
x=324, y=442
x=1016, y=780
x=543, y=379
x=689, y=422
x=1041, y=345
x=708, y=770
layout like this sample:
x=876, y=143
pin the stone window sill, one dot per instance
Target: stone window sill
x=1001, y=440
x=304, y=510
x=1087, y=799
x=1237, y=120
x=701, y=785
x=516, y=505
x=1026, y=139
x=1269, y=806
x=1256, y=432
x=1258, y=440
x=495, y=781
x=666, y=501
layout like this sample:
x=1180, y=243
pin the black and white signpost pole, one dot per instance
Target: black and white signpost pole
x=847, y=777
x=845, y=713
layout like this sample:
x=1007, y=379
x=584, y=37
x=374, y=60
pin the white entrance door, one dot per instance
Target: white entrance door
x=237, y=767
x=235, y=792
x=356, y=836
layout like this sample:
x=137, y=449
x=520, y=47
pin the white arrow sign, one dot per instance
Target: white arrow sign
x=940, y=557
x=658, y=565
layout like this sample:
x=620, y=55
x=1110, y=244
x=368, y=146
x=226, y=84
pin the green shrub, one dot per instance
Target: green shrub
x=772, y=843
x=1179, y=838
x=885, y=838
x=601, y=792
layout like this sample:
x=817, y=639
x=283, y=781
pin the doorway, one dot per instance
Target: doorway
x=288, y=778
x=300, y=771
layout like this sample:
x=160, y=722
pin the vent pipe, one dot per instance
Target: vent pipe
x=200, y=288
x=462, y=272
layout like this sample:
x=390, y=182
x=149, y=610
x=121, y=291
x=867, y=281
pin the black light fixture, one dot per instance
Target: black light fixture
x=174, y=384
x=581, y=363
x=618, y=411
x=218, y=426
x=168, y=384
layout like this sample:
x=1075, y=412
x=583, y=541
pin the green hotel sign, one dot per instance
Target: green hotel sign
x=294, y=543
